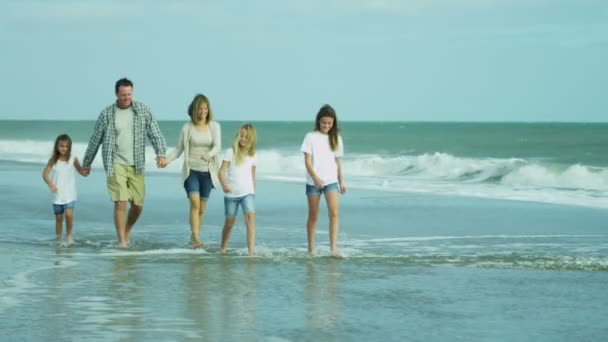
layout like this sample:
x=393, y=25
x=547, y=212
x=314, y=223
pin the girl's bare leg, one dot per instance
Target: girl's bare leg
x=228, y=224
x=311, y=223
x=69, y=223
x=250, y=222
x=333, y=203
x=58, y=226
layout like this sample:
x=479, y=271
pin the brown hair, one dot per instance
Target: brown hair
x=60, y=138
x=328, y=111
x=197, y=102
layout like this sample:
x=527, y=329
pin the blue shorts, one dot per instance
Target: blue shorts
x=59, y=209
x=312, y=190
x=231, y=205
x=198, y=182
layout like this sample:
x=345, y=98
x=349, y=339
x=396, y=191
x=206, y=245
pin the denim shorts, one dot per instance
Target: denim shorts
x=59, y=209
x=198, y=182
x=231, y=205
x=312, y=190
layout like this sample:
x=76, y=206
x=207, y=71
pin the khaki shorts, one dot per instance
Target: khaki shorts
x=127, y=185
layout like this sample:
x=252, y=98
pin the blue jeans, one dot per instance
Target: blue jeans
x=198, y=182
x=59, y=209
x=312, y=190
x=231, y=205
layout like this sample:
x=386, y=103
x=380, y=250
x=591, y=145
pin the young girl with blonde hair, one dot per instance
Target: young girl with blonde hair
x=237, y=176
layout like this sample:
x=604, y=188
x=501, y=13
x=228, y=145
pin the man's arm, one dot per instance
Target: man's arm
x=155, y=135
x=95, y=141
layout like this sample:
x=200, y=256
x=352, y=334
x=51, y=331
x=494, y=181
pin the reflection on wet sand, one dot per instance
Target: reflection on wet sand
x=238, y=281
x=126, y=305
x=197, y=297
x=62, y=279
x=322, y=297
x=221, y=297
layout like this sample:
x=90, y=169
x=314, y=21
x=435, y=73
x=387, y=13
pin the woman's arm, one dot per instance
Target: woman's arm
x=179, y=148
x=216, y=132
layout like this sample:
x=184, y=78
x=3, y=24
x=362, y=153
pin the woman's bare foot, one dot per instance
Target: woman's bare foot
x=196, y=244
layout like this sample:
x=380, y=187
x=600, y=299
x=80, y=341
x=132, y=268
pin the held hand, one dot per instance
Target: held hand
x=226, y=188
x=85, y=171
x=161, y=162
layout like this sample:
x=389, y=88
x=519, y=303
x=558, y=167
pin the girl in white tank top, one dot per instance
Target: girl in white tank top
x=59, y=175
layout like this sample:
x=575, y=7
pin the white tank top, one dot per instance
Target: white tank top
x=64, y=178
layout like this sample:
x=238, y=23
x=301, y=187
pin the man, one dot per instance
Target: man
x=122, y=128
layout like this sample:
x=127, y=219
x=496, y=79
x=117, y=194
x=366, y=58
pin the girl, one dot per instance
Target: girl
x=200, y=141
x=63, y=184
x=237, y=176
x=322, y=151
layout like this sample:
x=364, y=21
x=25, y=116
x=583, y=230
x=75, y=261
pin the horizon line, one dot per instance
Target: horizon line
x=350, y=121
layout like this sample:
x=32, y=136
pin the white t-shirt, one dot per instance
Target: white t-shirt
x=63, y=176
x=239, y=177
x=323, y=158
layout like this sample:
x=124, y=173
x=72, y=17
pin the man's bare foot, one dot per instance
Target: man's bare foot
x=336, y=254
x=196, y=245
x=123, y=245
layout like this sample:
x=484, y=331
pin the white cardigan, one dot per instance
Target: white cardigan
x=183, y=144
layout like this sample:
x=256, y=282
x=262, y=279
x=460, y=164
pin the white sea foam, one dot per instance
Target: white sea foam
x=20, y=288
x=437, y=173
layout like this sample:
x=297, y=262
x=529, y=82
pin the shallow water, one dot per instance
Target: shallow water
x=414, y=268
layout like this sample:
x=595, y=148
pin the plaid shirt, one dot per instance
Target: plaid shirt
x=105, y=133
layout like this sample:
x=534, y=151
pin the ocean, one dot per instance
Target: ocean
x=449, y=232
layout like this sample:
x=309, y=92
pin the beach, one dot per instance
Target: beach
x=415, y=267
x=474, y=138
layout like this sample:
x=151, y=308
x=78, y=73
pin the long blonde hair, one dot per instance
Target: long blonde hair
x=239, y=152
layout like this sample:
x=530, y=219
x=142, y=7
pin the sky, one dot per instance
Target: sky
x=372, y=60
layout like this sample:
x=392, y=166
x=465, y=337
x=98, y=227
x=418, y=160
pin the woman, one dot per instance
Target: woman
x=200, y=141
